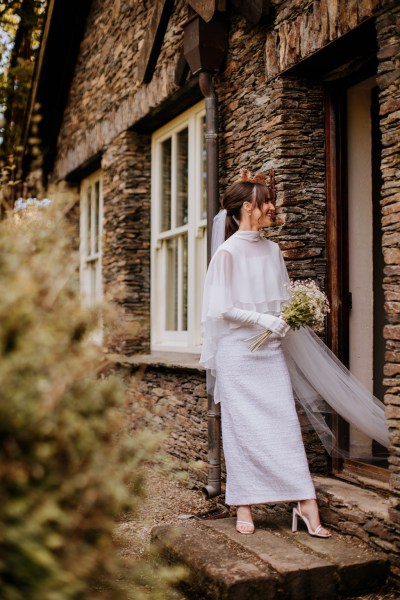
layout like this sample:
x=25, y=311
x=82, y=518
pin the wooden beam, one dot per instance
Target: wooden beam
x=154, y=38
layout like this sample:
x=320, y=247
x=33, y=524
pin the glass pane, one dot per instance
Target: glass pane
x=166, y=185
x=171, y=317
x=97, y=216
x=203, y=170
x=184, y=282
x=182, y=178
x=89, y=220
x=93, y=220
x=93, y=283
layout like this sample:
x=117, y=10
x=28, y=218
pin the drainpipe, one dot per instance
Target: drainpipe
x=205, y=44
x=207, y=89
x=213, y=488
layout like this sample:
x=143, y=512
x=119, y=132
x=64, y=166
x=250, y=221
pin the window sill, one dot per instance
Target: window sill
x=165, y=360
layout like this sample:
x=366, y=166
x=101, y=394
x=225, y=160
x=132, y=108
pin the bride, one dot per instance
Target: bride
x=245, y=287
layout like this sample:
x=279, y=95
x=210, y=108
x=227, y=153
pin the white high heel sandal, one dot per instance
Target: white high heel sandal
x=316, y=533
x=246, y=524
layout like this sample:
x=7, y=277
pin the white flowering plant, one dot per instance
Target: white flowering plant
x=22, y=204
x=307, y=306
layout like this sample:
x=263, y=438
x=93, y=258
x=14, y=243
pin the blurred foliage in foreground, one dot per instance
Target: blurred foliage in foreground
x=67, y=468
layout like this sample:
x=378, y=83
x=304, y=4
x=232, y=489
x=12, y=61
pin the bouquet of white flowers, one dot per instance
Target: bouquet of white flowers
x=308, y=305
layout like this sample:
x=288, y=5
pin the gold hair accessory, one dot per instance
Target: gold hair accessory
x=245, y=175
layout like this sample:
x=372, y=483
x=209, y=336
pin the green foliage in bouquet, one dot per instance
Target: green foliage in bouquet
x=67, y=469
x=307, y=307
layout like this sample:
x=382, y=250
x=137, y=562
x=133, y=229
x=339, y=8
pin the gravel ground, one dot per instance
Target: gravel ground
x=168, y=497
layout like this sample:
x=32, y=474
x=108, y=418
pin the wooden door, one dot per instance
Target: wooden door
x=355, y=264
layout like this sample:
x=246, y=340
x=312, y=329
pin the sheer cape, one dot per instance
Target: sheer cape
x=248, y=271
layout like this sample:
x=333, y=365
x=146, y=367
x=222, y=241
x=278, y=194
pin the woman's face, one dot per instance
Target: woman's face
x=264, y=217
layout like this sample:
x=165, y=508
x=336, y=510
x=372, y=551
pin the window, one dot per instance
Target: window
x=91, y=216
x=179, y=231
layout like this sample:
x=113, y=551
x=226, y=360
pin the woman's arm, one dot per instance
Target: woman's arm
x=246, y=317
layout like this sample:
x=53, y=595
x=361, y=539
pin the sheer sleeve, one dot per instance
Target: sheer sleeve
x=217, y=297
x=284, y=273
x=217, y=300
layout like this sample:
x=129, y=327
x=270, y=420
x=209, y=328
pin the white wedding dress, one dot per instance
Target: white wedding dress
x=262, y=442
x=263, y=448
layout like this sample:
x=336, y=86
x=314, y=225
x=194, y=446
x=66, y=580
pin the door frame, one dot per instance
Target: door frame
x=337, y=249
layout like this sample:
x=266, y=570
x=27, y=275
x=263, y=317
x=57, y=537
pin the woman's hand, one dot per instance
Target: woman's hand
x=274, y=324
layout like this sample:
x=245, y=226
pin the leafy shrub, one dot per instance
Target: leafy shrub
x=64, y=459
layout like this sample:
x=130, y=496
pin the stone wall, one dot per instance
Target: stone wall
x=279, y=124
x=126, y=239
x=301, y=178
x=106, y=97
x=388, y=31
x=173, y=401
x=362, y=514
x=302, y=27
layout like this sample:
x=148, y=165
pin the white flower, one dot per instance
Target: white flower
x=22, y=205
x=308, y=305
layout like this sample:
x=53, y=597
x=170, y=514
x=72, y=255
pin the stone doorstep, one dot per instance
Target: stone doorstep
x=353, y=497
x=325, y=567
x=361, y=513
x=271, y=563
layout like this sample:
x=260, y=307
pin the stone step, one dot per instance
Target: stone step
x=218, y=569
x=352, y=497
x=359, y=512
x=271, y=563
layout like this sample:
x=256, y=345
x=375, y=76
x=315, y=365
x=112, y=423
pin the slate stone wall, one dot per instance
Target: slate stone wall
x=388, y=33
x=302, y=27
x=106, y=97
x=126, y=239
x=279, y=124
x=365, y=523
x=173, y=401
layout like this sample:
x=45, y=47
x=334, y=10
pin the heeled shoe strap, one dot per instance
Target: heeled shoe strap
x=318, y=529
x=244, y=523
x=307, y=522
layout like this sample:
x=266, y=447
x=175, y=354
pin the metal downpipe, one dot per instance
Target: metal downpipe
x=213, y=487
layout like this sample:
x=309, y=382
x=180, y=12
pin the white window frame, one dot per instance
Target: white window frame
x=90, y=256
x=196, y=229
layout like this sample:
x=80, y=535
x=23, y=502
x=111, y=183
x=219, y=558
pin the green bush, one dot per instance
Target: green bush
x=65, y=462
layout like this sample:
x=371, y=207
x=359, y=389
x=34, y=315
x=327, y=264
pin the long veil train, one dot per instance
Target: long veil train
x=322, y=384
